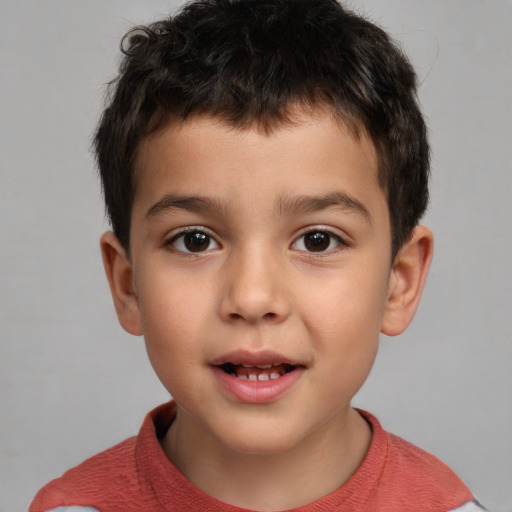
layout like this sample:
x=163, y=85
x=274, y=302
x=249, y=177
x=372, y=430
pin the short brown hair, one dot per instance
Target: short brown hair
x=247, y=62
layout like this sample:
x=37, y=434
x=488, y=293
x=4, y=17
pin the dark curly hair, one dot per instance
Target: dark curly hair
x=247, y=62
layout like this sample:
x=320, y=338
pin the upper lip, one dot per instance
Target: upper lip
x=254, y=358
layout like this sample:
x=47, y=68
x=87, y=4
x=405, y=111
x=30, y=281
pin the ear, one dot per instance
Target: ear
x=407, y=281
x=120, y=278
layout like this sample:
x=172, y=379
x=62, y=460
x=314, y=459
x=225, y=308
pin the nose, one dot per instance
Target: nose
x=253, y=288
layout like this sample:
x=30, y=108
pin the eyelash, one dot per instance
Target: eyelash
x=190, y=230
x=209, y=239
x=315, y=230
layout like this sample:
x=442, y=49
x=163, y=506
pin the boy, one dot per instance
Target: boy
x=265, y=166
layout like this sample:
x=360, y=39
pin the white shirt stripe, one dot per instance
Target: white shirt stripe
x=471, y=506
x=467, y=507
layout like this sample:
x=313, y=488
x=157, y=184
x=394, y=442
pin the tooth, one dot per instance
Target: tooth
x=264, y=366
x=263, y=376
x=248, y=365
x=274, y=376
x=242, y=377
x=253, y=376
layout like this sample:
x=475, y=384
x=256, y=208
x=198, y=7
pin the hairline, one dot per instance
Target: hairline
x=294, y=114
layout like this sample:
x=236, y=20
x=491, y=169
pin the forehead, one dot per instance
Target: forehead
x=201, y=144
x=307, y=165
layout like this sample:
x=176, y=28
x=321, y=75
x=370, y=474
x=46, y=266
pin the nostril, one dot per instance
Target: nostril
x=238, y=316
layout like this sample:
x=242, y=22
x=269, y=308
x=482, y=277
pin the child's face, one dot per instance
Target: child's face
x=265, y=250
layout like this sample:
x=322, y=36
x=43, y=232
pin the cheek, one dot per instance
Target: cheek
x=344, y=321
x=172, y=342
x=169, y=302
x=173, y=317
x=349, y=307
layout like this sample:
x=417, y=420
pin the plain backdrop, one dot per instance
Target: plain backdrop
x=73, y=383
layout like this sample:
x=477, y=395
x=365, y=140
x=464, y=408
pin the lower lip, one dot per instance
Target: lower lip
x=257, y=391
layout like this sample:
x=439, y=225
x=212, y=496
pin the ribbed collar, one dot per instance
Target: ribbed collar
x=172, y=491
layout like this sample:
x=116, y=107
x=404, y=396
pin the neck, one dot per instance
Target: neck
x=319, y=465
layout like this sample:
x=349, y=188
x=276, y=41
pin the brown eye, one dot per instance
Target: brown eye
x=317, y=241
x=196, y=242
x=193, y=241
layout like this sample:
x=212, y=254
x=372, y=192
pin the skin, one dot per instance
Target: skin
x=256, y=286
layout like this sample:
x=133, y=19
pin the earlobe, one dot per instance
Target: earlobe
x=118, y=269
x=407, y=281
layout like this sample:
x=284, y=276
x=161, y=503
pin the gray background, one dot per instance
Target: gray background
x=73, y=383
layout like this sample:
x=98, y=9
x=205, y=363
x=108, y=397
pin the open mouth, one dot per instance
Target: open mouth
x=260, y=372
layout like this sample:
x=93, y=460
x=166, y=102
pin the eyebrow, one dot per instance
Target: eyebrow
x=315, y=203
x=198, y=204
x=284, y=206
